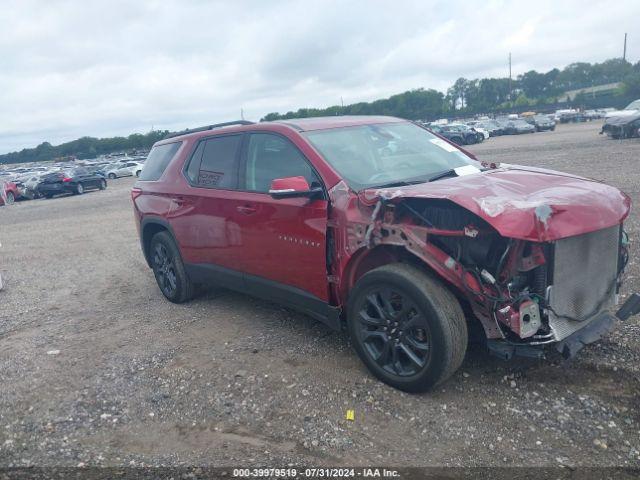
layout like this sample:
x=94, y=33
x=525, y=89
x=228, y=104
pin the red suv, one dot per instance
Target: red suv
x=9, y=192
x=380, y=226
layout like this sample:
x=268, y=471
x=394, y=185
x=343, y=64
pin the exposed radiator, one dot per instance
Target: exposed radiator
x=584, y=273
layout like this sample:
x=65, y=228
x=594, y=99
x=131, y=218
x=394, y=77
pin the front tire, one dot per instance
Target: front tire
x=169, y=270
x=112, y=176
x=10, y=198
x=407, y=328
x=103, y=184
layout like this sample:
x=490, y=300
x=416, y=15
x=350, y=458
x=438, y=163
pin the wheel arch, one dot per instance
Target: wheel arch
x=365, y=260
x=148, y=228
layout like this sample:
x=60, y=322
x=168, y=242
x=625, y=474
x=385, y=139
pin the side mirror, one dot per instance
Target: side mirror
x=292, y=187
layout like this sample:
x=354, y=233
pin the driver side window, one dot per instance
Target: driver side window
x=272, y=156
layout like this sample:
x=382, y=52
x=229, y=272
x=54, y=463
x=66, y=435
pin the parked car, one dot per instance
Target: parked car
x=394, y=244
x=8, y=192
x=627, y=126
x=631, y=109
x=541, y=123
x=75, y=180
x=28, y=186
x=493, y=127
x=458, y=133
x=516, y=127
x=126, y=169
x=593, y=114
x=481, y=133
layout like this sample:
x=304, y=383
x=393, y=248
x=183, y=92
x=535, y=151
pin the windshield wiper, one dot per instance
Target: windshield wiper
x=400, y=183
x=443, y=174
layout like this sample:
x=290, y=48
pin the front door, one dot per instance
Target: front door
x=284, y=240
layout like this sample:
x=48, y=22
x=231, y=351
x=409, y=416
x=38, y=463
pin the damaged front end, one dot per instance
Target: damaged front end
x=527, y=292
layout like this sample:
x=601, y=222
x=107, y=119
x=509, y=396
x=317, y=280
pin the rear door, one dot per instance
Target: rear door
x=284, y=240
x=203, y=215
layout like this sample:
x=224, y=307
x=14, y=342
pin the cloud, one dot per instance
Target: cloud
x=69, y=68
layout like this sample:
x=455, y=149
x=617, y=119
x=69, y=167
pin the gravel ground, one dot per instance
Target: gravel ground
x=97, y=368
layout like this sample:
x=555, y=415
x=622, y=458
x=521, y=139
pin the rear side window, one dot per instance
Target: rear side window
x=214, y=164
x=157, y=161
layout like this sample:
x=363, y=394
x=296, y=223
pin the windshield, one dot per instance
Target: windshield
x=383, y=154
x=635, y=105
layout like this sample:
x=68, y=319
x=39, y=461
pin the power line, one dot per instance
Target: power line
x=510, y=93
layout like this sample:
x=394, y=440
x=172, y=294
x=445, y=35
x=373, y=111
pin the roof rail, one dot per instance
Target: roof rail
x=209, y=127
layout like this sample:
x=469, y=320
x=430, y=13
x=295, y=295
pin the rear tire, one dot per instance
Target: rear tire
x=10, y=198
x=79, y=189
x=169, y=270
x=112, y=176
x=103, y=184
x=407, y=328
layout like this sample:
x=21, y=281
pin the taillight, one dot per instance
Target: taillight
x=135, y=193
x=67, y=179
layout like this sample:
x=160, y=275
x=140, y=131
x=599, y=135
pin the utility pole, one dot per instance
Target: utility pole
x=509, y=76
x=624, y=50
x=241, y=114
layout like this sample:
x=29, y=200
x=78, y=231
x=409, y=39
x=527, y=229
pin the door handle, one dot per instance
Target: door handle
x=246, y=209
x=180, y=201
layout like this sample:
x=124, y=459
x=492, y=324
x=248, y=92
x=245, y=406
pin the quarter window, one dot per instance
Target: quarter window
x=157, y=161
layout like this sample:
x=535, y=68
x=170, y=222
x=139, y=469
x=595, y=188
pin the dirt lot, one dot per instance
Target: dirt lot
x=230, y=380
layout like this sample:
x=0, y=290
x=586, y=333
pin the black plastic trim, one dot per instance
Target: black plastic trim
x=266, y=289
x=596, y=329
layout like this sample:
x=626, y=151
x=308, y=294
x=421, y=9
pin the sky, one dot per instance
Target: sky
x=103, y=68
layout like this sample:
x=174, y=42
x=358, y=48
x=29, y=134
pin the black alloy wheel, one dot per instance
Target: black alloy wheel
x=164, y=270
x=394, y=332
x=406, y=326
x=169, y=270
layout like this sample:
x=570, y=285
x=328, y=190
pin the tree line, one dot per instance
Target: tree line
x=488, y=95
x=85, y=147
x=464, y=97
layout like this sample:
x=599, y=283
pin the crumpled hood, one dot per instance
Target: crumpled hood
x=524, y=202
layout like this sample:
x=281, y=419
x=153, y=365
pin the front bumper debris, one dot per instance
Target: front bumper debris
x=570, y=346
x=593, y=332
x=631, y=307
